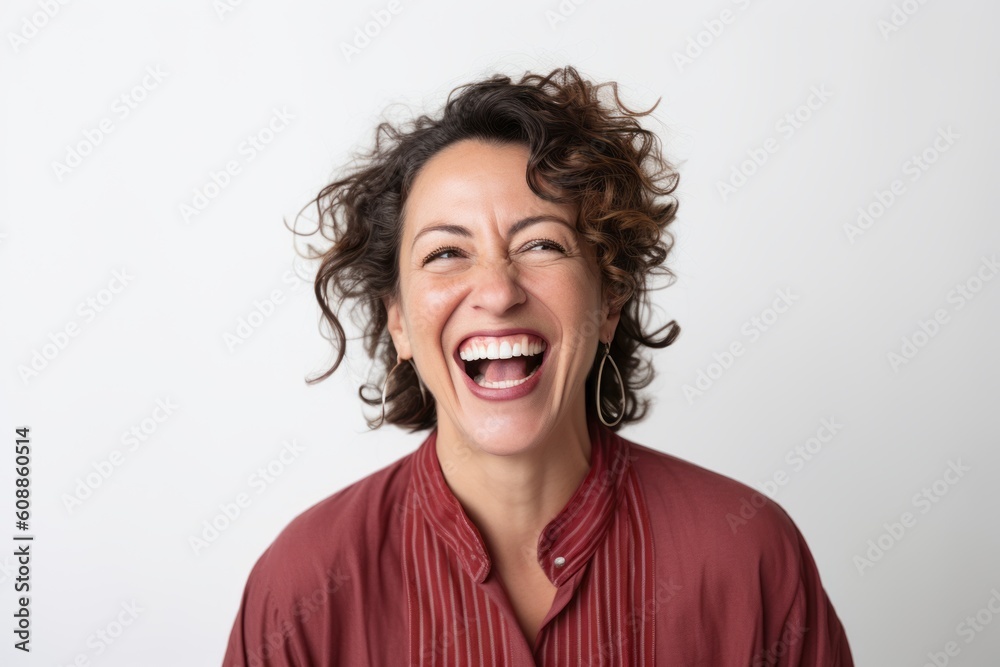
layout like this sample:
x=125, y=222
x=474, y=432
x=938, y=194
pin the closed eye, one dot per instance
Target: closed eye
x=544, y=244
x=450, y=252
x=441, y=253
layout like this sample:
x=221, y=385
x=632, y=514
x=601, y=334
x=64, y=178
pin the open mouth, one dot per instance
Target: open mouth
x=502, y=362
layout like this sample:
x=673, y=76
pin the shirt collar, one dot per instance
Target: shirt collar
x=566, y=543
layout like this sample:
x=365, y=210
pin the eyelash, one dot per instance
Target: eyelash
x=436, y=253
x=535, y=243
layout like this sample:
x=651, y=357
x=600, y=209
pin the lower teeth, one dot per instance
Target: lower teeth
x=502, y=384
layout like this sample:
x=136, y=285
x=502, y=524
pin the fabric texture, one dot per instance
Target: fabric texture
x=656, y=561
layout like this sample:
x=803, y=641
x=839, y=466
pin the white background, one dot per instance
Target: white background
x=163, y=336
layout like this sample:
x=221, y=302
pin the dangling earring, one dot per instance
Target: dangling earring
x=385, y=387
x=597, y=389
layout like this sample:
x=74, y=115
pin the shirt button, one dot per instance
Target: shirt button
x=559, y=561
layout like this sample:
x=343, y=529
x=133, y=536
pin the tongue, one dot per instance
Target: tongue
x=497, y=370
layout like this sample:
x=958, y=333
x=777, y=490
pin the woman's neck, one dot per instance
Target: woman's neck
x=511, y=498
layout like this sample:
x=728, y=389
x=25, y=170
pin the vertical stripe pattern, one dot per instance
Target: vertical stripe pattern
x=599, y=547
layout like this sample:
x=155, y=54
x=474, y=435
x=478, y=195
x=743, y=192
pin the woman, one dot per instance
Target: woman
x=500, y=256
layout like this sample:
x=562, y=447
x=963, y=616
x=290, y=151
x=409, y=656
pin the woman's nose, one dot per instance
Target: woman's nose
x=496, y=287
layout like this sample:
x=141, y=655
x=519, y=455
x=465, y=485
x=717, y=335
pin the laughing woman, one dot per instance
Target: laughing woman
x=500, y=255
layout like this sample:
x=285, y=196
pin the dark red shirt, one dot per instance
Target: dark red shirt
x=656, y=561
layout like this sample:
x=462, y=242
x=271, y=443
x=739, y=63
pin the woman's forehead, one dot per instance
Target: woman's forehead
x=469, y=169
x=473, y=183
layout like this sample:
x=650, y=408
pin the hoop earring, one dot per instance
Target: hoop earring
x=597, y=389
x=385, y=387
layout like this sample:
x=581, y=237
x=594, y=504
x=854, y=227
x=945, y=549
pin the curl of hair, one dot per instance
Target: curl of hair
x=583, y=151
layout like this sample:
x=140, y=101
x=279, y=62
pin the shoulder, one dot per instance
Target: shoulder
x=727, y=537
x=713, y=514
x=331, y=541
x=741, y=554
x=311, y=594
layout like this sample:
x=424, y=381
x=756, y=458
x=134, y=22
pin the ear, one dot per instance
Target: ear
x=610, y=322
x=397, y=328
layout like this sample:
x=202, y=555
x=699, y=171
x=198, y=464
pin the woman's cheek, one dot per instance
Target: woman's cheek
x=568, y=283
x=433, y=300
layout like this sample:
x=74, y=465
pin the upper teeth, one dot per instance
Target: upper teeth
x=501, y=348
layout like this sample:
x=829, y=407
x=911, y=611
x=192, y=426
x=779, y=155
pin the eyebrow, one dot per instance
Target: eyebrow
x=459, y=230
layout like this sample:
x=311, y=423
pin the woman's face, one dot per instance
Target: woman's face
x=487, y=268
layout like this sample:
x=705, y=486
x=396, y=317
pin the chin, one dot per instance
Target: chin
x=506, y=435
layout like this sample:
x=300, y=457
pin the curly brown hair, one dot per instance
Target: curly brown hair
x=583, y=151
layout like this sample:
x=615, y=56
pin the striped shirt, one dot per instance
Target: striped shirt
x=655, y=561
